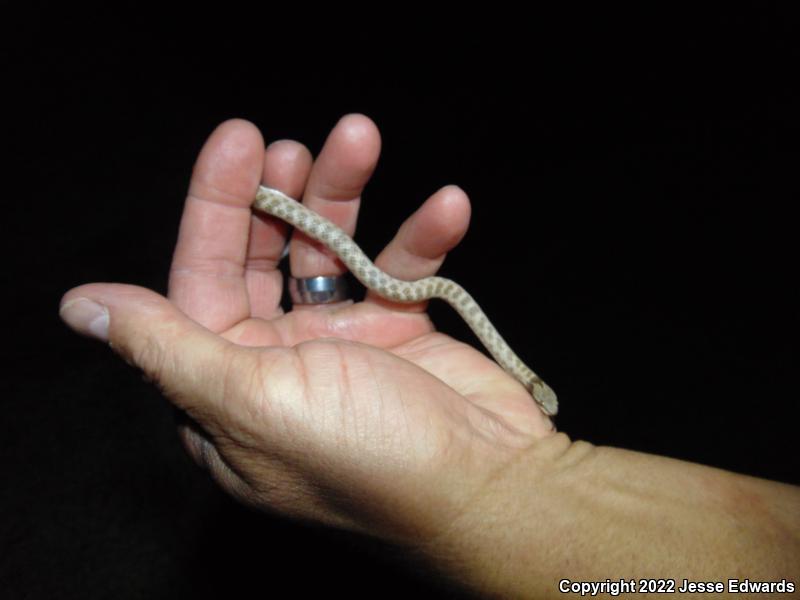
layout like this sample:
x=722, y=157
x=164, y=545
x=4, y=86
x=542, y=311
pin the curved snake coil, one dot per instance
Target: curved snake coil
x=287, y=209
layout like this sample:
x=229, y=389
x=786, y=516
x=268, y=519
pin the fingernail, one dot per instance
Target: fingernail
x=86, y=317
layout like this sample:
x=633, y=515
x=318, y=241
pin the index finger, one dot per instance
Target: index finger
x=207, y=277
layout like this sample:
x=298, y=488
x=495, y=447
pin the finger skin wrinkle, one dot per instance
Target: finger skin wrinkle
x=210, y=269
x=204, y=234
x=215, y=211
x=325, y=192
x=210, y=193
x=407, y=260
x=265, y=264
x=318, y=258
x=343, y=212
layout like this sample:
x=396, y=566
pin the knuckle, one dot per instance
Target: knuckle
x=148, y=355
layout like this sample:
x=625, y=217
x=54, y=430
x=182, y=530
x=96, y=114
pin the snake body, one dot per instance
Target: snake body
x=287, y=209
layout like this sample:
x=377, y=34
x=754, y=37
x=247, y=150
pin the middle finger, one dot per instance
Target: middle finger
x=337, y=179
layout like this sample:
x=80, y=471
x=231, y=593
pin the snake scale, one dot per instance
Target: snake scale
x=287, y=209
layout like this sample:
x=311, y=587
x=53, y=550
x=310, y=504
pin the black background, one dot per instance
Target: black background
x=648, y=272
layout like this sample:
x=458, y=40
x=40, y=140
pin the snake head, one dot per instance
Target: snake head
x=545, y=397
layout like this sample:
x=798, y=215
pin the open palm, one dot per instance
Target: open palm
x=225, y=275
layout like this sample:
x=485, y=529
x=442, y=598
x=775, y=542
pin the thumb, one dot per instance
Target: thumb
x=190, y=363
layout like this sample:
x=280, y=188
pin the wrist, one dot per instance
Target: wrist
x=498, y=544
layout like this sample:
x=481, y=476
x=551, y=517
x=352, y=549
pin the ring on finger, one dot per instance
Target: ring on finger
x=318, y=290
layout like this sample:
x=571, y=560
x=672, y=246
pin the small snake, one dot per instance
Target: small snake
x=287, y=209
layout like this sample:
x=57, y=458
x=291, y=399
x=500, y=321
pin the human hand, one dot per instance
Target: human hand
x=357, y=415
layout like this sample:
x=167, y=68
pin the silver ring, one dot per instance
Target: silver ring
x=318, y=290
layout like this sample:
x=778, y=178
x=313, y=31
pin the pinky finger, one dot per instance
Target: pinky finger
x=423, y=240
